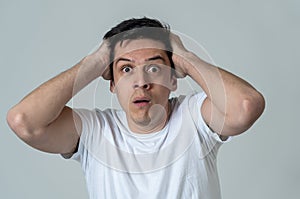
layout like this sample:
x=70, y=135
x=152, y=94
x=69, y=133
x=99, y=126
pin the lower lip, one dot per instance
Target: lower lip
x=142, y=104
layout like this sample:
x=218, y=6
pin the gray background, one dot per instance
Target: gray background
x=257, y=40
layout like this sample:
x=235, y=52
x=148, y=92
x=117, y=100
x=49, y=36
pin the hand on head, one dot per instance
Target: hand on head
x=179, y=54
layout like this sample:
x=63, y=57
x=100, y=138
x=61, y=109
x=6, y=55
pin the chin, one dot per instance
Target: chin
x=143, y=121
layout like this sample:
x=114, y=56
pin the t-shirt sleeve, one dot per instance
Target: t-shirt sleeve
x=208, y=138
x=200, y=99
x=89, y=121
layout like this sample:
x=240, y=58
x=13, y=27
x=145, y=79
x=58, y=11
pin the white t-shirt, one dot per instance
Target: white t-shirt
x=177, y=162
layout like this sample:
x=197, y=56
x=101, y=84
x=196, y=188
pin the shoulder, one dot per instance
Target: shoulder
x=96, y=117
x=96, y=113
x=195, y=98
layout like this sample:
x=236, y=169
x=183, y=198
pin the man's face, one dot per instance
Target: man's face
x=142, y=82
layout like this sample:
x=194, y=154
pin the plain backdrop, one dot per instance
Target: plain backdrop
x=257, y=40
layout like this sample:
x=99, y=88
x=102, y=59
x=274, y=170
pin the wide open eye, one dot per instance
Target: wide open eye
x=153, y=68
x=126, y=69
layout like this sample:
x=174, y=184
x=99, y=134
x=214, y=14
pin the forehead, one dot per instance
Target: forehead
x=138, y=48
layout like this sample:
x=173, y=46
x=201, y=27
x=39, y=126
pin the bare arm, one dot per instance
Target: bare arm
x=232, y=105
x=42, y=118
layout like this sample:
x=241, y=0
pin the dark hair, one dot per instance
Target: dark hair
x=136, y=29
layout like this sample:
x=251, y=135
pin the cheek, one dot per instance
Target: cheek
x=123, y=92
x=161, y=92
x=122, y=83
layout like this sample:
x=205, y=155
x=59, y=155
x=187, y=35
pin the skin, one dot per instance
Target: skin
x=232, y=104
x=43, y=120
x=142, y=82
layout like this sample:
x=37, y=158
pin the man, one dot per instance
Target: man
x=155, y=147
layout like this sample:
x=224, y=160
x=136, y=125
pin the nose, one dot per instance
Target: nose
x=141, y=81
x=145, y=86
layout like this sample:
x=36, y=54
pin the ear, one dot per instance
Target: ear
x=106, y=74
x=112, y=86
x=173, y=83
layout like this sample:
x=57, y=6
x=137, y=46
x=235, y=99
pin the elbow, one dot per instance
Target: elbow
x=252, y=108
x=19, y=124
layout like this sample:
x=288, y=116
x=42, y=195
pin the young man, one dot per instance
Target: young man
x=155, y=147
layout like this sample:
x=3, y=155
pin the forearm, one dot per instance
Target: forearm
x=235, y=98
x=222, y=87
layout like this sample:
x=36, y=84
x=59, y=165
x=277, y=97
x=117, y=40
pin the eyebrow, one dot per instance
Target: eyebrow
x=123, y=59
x=157, y=57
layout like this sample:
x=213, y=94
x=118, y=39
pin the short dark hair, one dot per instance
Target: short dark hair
x=137, y=28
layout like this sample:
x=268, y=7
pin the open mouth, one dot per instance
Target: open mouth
x=141, y=102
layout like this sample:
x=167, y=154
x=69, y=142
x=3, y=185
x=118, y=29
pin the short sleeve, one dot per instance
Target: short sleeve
x=209, y=139
x=200, y=99
x=89, y=122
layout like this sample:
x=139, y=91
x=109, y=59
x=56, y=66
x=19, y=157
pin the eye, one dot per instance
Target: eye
x=126, y=69
x=153, y=69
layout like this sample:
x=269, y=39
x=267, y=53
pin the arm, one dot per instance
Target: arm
x=232, y=104
x=42, y=118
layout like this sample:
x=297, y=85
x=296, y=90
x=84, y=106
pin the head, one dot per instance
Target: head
x=138, y=28
x=142, y=71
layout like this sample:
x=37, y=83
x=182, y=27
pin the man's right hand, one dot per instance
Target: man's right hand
x=101, y=58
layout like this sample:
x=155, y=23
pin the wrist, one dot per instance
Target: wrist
x=191, y=62
x=92, y=65
x=186, y=62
